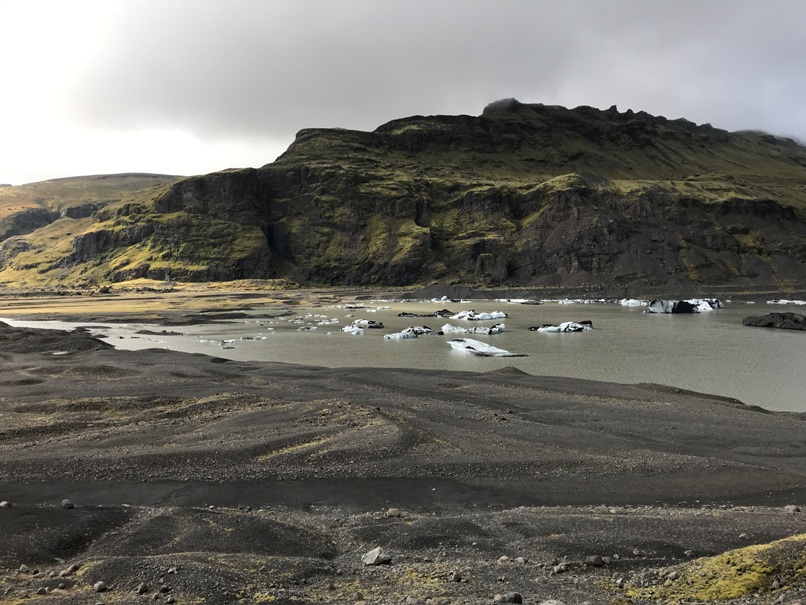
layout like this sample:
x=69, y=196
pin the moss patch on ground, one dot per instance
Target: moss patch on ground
x=777, y=566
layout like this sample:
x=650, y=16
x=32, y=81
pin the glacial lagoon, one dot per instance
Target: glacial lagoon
x=708, y=352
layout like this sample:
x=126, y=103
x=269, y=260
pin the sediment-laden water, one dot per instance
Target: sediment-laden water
x=708, y=352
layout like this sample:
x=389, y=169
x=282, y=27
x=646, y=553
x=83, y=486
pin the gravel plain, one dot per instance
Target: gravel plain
x=157, y=476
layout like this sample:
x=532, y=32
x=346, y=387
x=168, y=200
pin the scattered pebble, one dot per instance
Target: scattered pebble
x=67, y=504
x=70, y=570
x=5, y=504
x=100, y=587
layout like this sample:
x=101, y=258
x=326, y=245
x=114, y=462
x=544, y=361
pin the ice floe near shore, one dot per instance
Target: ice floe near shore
x=692, y=305
x=480, y=349
x=632, y=302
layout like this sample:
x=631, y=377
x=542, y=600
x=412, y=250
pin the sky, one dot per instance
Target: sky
x=195, y=86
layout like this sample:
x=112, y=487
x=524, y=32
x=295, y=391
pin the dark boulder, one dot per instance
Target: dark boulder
x=787, y=321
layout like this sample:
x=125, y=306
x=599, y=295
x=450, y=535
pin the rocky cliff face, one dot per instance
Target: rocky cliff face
x=523, y=195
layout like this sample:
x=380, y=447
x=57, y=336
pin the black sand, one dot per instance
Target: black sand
x=221, y=481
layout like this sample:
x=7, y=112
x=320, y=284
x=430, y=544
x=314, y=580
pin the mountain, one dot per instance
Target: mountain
x=522, y=195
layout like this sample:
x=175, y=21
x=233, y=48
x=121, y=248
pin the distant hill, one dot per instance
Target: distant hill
x=522, y=195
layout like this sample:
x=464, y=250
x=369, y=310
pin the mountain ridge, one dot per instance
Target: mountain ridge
x=522, y=195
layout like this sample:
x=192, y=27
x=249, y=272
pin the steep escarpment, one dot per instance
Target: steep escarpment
x=522, y=195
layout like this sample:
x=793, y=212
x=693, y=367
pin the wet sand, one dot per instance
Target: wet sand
x=199, y=479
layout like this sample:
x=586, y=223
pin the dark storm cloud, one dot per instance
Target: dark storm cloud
x=254, y=68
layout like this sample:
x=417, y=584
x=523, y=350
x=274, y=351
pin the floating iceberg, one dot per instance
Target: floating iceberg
x=451, y=329
x=473, y=316
x=354, y=330
x=480, y=349
x=367, y=323
x=566, y=326
x=410, y=332
x=441, y=313
x=692, y=305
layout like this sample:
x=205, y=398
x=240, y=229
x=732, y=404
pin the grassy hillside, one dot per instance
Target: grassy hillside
x=522, y=195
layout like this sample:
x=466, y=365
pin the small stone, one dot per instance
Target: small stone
x=521, y=560
x=5, y=504
x=42, y=590
x=673, y=575
x=790, y=508
x=142, y=588
x=551, y=602
x=689, y=553
x=412, y=601
x=376, y=557
x=504, y=559
x=594, y=561
x=358, y=596
x=170, y=600
x=394, y=512
x=331, y=586
x=66, y=504
x=100, y=587
x=70, y=570
x=559, y=568
x=456, y=577
x=510, y=597
x=23, y=569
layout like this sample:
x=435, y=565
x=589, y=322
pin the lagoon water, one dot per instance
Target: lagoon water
x=707, y=352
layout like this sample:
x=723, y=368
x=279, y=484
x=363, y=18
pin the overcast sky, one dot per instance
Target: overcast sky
x=194, y=86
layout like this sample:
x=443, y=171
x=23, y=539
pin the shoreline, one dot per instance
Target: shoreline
x=144, y=303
